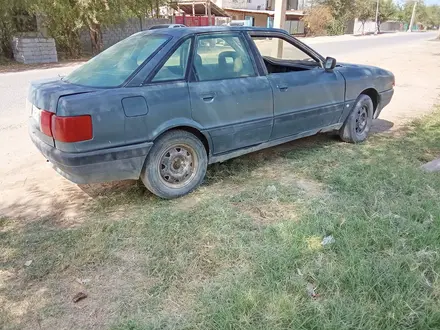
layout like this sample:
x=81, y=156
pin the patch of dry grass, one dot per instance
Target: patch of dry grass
x=242, y=251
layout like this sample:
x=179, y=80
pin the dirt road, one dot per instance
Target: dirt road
x=30, y=189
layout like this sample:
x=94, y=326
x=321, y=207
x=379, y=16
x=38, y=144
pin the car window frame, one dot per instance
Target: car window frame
x=158, y=67
x=132, y=76
x=243, y=38
x=287, y=38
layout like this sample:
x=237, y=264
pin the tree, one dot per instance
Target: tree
x=342, y=12
x=364, y=10
x=65, y=19
x=9, y=24
x=432, y=16
x=317, y=20
x=387, y=11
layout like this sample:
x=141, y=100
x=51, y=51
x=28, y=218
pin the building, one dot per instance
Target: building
x=242, y=4
x=264, y=18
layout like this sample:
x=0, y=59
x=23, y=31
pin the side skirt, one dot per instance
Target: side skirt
x=269, y=144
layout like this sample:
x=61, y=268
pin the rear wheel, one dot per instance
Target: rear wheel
x=358, y=123
x=176, y=165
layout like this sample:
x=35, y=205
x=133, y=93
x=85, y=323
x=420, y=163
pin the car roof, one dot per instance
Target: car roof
x=183, y=31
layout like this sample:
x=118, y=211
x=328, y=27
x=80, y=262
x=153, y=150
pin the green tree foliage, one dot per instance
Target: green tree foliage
x=387, y=10
x=426, y=15
x=342, y=12
x=433, y=16
x=9, y=11
x=364, y=10
x=65, y=19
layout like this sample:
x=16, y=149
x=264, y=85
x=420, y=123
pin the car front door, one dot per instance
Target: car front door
x=306, y=97
x=229, y=97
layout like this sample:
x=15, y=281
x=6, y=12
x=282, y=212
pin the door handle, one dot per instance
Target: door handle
x=282, y=88
x=208, y=98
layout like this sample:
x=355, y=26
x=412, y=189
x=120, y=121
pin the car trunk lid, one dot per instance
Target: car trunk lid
x=43, y=96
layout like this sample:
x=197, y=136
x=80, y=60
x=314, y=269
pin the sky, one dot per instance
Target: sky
x=427, y=2
x=431, y=2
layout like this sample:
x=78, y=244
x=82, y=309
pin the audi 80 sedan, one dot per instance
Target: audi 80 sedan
x=163, y=104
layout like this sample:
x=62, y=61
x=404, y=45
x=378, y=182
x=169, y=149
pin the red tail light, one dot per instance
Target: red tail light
x=66, y=129
x=46, y=122
x=72, y=129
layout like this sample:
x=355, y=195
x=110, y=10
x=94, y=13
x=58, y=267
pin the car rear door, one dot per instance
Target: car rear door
x=229, y=97
x=305, y=100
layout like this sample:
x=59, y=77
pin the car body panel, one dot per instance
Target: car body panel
x=215, y=104
x=299, y=107
x=233, y=116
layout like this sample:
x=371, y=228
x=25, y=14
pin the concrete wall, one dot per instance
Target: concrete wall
x=34, y=50
x=116, y=33
x=370, y=27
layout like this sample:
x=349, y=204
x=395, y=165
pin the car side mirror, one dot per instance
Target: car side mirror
x=329, y=64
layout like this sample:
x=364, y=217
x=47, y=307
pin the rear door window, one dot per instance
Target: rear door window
x=112, y=67
x=175, y=67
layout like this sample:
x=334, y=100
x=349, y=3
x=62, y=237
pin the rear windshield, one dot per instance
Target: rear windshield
x=114, y=65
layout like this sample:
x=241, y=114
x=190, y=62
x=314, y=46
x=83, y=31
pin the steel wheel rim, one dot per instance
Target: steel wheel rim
x=361, y=119
x=178, y=166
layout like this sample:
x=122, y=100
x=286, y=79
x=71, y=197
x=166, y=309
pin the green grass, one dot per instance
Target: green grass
x=240, y=252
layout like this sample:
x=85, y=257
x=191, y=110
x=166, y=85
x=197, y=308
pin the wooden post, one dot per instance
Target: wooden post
x=278, y=22
x=194, y=9
x=209, y=12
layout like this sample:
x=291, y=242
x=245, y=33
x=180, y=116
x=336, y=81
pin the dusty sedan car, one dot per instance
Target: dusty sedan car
x=163, y=104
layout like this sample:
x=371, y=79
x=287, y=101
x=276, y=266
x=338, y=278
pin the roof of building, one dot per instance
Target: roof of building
x=267, y=12
x=199, y=7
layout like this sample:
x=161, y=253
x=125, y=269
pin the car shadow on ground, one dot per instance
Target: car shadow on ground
x=226, y=171
x=381, y=126
x=72, y=205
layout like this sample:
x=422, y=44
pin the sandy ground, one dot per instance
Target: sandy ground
x=30, y=189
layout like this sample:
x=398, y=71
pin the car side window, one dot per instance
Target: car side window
x=278, y=48
x=175, y=67
x=222, y=57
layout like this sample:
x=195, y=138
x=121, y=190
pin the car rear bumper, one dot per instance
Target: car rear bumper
x=384, y=100
x=104, y=165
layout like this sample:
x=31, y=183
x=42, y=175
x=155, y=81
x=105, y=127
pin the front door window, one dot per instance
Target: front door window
x=222, y=57
x=280, y=49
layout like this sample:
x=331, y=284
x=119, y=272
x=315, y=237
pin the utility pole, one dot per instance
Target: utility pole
x=412, y=17
x=209, y=12
x=278, y=23
x=377, y=17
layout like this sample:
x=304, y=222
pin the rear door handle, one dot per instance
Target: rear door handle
x=283, y=88
x=208, y=98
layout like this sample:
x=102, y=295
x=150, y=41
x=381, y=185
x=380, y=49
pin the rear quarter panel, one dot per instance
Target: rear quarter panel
x=108, y=118
x=166, y=106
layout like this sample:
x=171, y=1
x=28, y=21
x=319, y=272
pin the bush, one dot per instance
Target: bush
x=317, y=20
x=336, y=27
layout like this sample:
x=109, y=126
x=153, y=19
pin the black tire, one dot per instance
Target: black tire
x=358, y=123
x=160, y=173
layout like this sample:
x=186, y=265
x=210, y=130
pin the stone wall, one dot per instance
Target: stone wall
x=34, y=50
x=116, y=33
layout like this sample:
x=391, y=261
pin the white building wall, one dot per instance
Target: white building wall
x=256, y=4
x=241, y=4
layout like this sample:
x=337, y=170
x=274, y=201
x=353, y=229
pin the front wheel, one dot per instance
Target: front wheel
x=358, y=123
x=176, y=165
